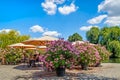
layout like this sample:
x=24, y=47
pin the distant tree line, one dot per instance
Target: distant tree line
x=75, y=37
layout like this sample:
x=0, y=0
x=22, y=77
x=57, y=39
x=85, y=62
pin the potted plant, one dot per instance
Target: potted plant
x=60, y=54
x=88, y=55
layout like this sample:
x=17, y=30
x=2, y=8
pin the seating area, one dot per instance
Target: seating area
x=32, y=61
x=35, y=61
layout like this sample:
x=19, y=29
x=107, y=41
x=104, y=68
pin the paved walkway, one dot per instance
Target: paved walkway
x=108, y=71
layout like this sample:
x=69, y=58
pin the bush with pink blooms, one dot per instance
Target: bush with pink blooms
x=60, y=53
x=63, y=54
x=88, y=54
x=103, y=52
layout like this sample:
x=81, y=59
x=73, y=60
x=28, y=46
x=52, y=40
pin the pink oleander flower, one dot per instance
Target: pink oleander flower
x=60, y=53
x=88, y=54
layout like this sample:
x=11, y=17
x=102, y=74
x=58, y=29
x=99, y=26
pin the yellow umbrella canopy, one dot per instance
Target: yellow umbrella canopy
x=21, y=45
x=40, y=41
x=37, y=48
x=30, y=48
x=35, y=42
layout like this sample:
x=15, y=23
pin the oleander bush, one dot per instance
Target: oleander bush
x=88, y=54
x=103, y=52
x=60, y=53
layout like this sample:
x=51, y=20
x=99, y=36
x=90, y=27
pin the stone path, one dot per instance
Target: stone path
x=109, y=71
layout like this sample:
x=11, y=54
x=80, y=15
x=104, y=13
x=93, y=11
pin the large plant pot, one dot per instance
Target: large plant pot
x=60, y=72
x=84, y=66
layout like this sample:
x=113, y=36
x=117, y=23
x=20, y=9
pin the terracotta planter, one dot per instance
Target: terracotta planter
x=60, y=72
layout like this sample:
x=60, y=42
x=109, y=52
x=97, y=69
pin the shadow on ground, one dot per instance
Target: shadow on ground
x=26, y=67
x=68, y=76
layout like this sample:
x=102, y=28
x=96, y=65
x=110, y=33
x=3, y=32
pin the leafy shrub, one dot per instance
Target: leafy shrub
x=13, y=56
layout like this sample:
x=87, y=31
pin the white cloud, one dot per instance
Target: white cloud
x=67, y=9
x=37, y=28
x=59, y=1
x=111, y=7
x=113, y=21
x=86, y=28
x=56, y=1
x=6, y=30
x=51, y=33
x=97, y=19
x=49, y=6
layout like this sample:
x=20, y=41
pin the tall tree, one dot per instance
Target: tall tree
x=11, y=37
x=75, y=37
x=114, y=47
x=107, y=36
x=115, y=33
x=104, y=36
x=93, y=35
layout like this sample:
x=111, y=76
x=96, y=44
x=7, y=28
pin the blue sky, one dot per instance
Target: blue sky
x=60, y=18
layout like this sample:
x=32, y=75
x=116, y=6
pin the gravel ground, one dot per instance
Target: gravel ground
x=108, y=71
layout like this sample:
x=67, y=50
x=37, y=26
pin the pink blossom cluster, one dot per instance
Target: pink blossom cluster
x=47, y=64
x=87, y=53
x=61, y=45
x=60, y=52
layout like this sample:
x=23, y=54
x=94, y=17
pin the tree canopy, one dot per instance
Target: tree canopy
x=93, y=35
x=75, y=37
x=11, y=37
x=114, y=47
x=107, y=36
